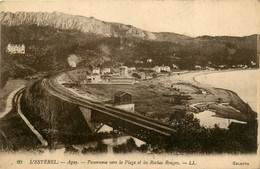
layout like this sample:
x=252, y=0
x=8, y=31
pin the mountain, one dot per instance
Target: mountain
x=50, y=38
x=68, y=22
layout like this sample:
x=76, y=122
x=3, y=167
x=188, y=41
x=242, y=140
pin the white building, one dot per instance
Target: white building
x=105, y=70
x=165, y=68
x=197, y=67
x=138, y=62
x=143, y=75
x=123, y=71
x=253, y=63
x=96, y=71
x=131, y=69
x=149, y=60
x=175, y=66
x=15, y=48
x=157, y=69
x=72, y=63
x=95, y=78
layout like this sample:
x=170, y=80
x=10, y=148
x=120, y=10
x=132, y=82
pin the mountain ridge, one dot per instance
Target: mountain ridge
x=50, y=38
x=87, y=24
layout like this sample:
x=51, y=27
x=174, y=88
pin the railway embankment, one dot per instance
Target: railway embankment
x=59, y=121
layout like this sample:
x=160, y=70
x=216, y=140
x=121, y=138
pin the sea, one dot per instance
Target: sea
x=243, y=82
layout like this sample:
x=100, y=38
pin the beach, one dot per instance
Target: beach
x=243, y=82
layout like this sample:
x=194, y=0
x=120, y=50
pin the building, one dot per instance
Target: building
x=72, y=63
x=96, y=71
x=165, y=69
x=149, y=60
x=131, y=69
x=175, y=66
x=95, y=78
x=123, y=100
x=211, y=68
x=253, y=63
x=157, y=69
x=123, y=71
x=15, y=48
x=120, y=80
x=138, y=62
x=143, y=76
x=105, y=71
x=197, y=67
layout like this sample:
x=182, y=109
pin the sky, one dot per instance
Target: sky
x=188, y=17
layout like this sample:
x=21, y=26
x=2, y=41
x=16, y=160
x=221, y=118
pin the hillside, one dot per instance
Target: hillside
x=50, y=38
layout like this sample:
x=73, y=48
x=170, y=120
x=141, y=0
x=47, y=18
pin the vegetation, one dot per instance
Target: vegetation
x=47, y=49
x=100, y=148
x=192, y=138
x=15, y=134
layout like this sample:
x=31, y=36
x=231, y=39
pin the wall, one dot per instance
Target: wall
x=57, y=120
x=88, y=114
x=127, y=107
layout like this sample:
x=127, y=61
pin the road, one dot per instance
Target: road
x=37, y=134
x=9, y=101
x=13, y=101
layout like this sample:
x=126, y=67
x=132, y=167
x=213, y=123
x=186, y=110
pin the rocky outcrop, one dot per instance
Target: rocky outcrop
x=64, y=21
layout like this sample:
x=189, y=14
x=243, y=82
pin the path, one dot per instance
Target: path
x=9, y=102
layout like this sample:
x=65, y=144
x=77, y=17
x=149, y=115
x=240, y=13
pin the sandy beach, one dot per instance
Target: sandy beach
x=243, y=82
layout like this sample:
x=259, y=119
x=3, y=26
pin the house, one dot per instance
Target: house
x=123, y=100
x=245, y=67
x=143, y=76
x=72, y=63
x=157, y=69
x=138, y=62
x=131, y=69
x=253, y=63
x=222, y=66
x=95, y=78
x=175, y=66
x=149, y=60
x=197, y=67
x=15, y=48
x=96, y=71
x=165, y=68
x=211, y=68
x=121, y=97
x=123, y=71
x=148, y=77
x=105, y=71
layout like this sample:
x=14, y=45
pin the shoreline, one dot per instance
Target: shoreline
x=247, y=96
x=231, y=98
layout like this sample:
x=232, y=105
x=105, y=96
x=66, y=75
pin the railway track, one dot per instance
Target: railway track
x=56, y=89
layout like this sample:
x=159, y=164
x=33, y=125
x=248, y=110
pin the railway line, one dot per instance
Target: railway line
x=135, y=119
